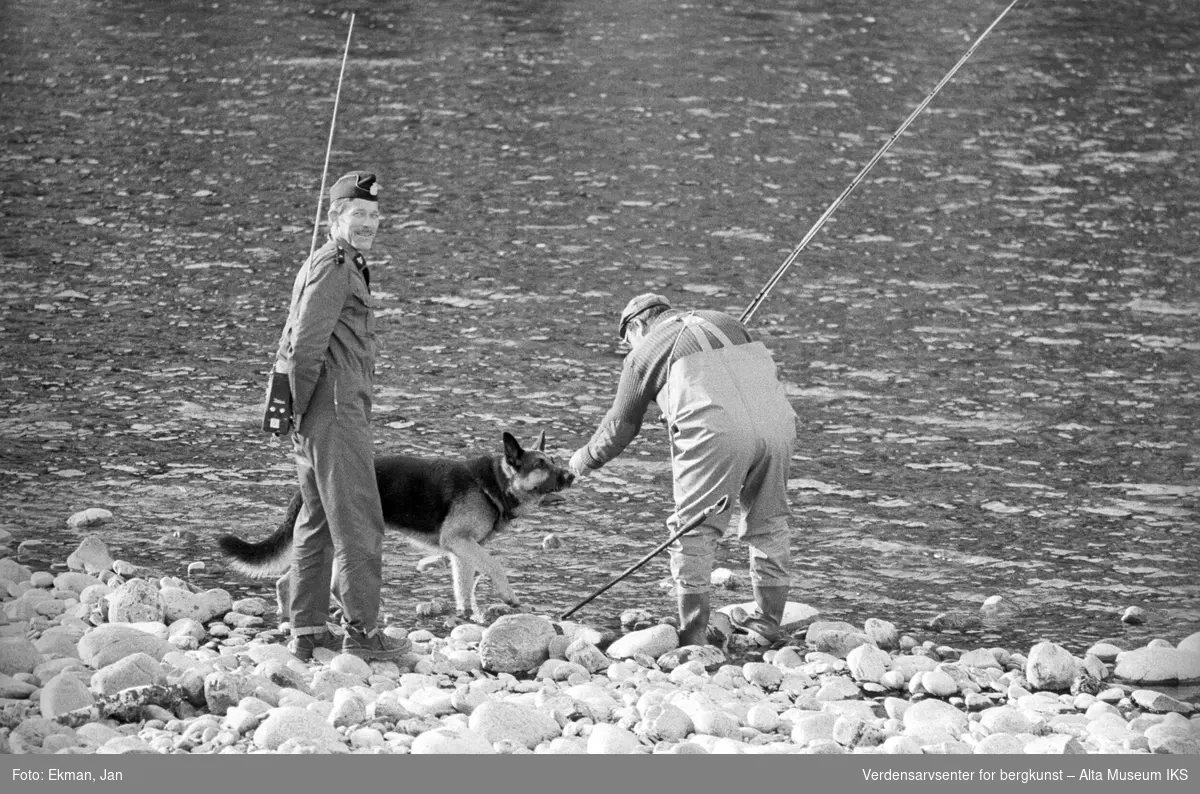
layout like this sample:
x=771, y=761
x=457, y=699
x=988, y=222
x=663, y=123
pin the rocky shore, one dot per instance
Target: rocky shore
x=109, y=658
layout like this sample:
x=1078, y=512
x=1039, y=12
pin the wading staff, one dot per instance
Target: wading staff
x=762, y=295
x=329, y=146
x=717, y=507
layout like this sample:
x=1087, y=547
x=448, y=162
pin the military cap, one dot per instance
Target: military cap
x=637, y=305
x=355, y=185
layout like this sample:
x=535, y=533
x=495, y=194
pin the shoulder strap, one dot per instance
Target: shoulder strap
x=695, y=322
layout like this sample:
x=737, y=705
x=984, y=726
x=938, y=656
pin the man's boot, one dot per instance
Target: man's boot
x=693, y=618
x=771, y=603
x=374, y=645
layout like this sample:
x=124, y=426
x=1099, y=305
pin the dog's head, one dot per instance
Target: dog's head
x=531, y=472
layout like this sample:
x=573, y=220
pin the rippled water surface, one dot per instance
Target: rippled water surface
x=992, y=346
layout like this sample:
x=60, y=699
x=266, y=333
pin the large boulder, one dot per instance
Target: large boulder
x=290, y=722
x=516, y=643
x=106, y=644
x=63, y=693
x=139, y=669
x=653, y=642
x=136, y=601
x=1149, y=665
x=1050, y=666
x=501, y=720
x=18, y=655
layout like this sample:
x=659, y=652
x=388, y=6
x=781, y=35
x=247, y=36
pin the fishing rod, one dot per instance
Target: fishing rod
x=762, y=295
x=329, y=146
x=720, y=506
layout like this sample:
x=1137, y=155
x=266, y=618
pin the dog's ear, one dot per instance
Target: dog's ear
x=541, y=442
x=512, y=450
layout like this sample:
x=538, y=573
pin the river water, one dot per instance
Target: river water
x=992, y=346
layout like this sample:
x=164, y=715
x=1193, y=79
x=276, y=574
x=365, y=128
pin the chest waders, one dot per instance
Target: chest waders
x=731, y=432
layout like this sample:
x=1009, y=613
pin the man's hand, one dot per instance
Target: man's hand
x=578, y=464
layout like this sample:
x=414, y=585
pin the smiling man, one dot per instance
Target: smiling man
x=328, y=350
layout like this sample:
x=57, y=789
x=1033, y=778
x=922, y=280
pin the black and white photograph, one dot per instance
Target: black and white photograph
x=602, y=377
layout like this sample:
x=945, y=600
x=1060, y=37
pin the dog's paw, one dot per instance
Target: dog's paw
x=494, y=611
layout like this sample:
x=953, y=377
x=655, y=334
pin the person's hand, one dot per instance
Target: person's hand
x=578, y=464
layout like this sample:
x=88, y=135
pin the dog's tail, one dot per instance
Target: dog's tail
x=269, y=557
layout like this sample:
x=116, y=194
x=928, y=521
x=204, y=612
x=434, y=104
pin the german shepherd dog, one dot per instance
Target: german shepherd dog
x=448, y=506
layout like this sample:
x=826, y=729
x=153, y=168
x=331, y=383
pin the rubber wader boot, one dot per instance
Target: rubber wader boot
x=693, y=618
x=771, y=603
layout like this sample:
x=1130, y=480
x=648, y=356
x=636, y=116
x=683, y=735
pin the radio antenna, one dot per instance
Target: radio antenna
x=329, y=147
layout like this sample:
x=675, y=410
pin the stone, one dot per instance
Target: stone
x=1050, y=667
x=939, y=683
x=882, y=634
x=1055, y=744
x=839, y=643
x=136, y=601
x=1160, y=703
x=221, y=691
x=1133, y=616
x=214, y=603
x=108, y=643
x=91, y=517
x=867, y=663
x=516, y=643
x=708, y=657
x=596, y=698
x=281, y=724
x=835, y=687
x=999, y=744
x=138, y=669
x=126, y=745
x=1005, y=719
x=653, y=642
x=980, y=658
x=64, y=693
x=1148, y=665
x=812, y=727
x=349, y=708
x=1190, y=643
x=74, y=582
x=502, y=720
x=59, y=642
x=933, y=721
x=763, y=717
x=91, y=556
x=586, y=655
x=18, y=655
x=606, y=739
x=1105, y=652
x=664, y=722
x=449, y=740
x=766, y=676
x=14, y=689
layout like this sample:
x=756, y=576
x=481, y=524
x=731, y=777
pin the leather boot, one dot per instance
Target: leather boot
x=771, y=603
x=693, y=618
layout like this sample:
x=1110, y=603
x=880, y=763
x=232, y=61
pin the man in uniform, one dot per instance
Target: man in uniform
x=731, y=430
x=328, y=350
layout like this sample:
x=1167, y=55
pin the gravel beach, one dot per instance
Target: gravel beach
x=100, y=656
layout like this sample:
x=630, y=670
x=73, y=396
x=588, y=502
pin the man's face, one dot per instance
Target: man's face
x=356, y=223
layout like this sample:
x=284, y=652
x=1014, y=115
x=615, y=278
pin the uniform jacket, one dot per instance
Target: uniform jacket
x=330, y=329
